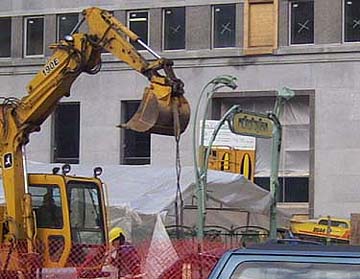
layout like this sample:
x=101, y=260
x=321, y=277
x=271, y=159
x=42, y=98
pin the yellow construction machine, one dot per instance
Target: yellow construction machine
x=335, y=230
x=30, y=242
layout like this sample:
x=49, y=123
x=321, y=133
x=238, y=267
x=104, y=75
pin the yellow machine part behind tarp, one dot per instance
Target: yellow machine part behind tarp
x=234, y=161
x=338, y=229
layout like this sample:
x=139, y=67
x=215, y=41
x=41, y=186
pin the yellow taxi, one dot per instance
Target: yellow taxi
x=332, y=228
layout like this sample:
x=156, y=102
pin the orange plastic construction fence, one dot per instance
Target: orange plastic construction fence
x=175, y=259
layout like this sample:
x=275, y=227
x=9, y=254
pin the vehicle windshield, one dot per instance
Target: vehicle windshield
x=334, y=223
x=85, y=213
x=293, y=270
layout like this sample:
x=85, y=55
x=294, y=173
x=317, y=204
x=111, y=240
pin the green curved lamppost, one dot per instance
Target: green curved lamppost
x=222, y=81
x=284, y=95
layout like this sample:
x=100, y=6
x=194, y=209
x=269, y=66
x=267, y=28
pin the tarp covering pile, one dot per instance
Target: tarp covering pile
x=139, y=194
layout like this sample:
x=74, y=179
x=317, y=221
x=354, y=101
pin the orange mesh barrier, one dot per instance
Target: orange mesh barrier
x=182, y=259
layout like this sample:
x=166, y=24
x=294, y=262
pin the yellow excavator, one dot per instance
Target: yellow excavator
x=76, y=225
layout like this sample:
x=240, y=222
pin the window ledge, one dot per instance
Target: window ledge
x=293, y=204
x=33, y=61
x=188, y=54
x=313, y=49
x=284, y=54
x=294, y=208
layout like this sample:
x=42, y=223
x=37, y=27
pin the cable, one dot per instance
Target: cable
x=178, y=197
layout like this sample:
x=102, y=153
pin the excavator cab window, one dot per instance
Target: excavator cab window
x=46, y=201
x=86, y=216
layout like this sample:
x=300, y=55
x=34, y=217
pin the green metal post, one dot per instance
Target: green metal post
x=200, y=173
x=284, y=95
x=274, y=179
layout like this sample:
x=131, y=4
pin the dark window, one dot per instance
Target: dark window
x=34, y=36
x=46, y=201
x=67, y=133
x=352, y=21
x=224, y=26
x=291, y=189
x=66, y=24
x=174, y=28
x=138, y=23
x=136, y=146
x=302, y=22
x=85, y=213
x=5, y=36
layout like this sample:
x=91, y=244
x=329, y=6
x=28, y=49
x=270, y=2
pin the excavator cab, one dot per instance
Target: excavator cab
x=70, y=218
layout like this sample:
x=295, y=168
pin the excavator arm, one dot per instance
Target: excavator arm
x=163, y=109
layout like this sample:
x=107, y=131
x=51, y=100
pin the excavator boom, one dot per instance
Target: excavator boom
x=163, y=110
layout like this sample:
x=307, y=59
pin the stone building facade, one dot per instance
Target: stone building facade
x=311, y=47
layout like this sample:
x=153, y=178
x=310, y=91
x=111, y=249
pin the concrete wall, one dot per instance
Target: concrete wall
x=328, y=23
x=328, y=67
x=283, y=23
x=198, y=27
x=336, y=116
x=25, y=7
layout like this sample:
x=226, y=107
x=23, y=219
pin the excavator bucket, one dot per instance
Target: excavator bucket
x=163, y=115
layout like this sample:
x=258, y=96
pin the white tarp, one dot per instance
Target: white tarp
x=151, y=189
x=137, y=194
